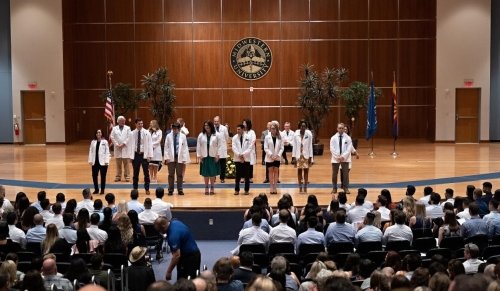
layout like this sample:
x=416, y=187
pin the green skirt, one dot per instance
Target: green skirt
x=209, y=168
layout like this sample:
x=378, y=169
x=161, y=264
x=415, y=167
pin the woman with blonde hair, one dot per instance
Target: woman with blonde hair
x=409, y=207
x=126, y=230
x=155, y=162
x=274, y=147
x=121, y=210
x=52, y=235
x=9, y=269
x=420, y=220
x=261, y=282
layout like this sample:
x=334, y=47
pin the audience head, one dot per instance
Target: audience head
x=166, y=286
x=468, y=283
x=470, y=191
x=369, y=218
x=312, y=222
x=382, y=201
x=387, y=194
x=410, y=190
x=95, y=218
x=9, y=269
x=137, y=255
x=455, y=268
x=477, y=193
x=38, y=219
x=340, y=217
x=337, y=283
x=493, y=205
x=413, y=262
x=400, y=217
x=256, y=219
x=261, y=282
x=134, y=194
x=96, y=261
x=363, y=192
x=487, y=186
x=70, y=206
x=45, y=204
x=222, y=270
x=148, y=203
x=246, y=259
x=67, y=219
x=435, y=199
x=11, y=218
x=448, y=193
x=428, y=191
x=360, y=200
x=284, y=215
x=159, y=192
x=56, y=208
x=342, y=197
x=110, y=198
x=60, y=197
x=86, y=193
x=49, y=267
x=471, y=251
x=33, y=281
x=380, y=281
x=474, y=209
x=420, y=277
x=400, y=282
x=42, y=195
x=98, y=204
x=108, y=214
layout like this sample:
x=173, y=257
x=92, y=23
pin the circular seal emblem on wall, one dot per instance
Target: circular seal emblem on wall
x=251, y=58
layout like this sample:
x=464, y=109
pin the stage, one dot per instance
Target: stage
x=64, y=168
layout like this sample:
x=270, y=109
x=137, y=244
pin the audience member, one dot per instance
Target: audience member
x=244, y=272
x=475, y=225
x=68, y=232
x=161, y=207
x=147, y=216
x=82, y=219
x=434, y=210
x=140, y=276
x=49, y=273
x=41, y=195
x=45, y=205
x=471, y=254
x=78, y=270
x=56, y=219
x=223, y=274
x=133, y=204
x=86, y=202
x=110, y=199
x=368, y=232
x=311, y=235
x=282, y=233
x=399, y=231
x=382, y=208
x=38, y=232
x=101, y=276
x=93, y=230
x=16, y=235
x=356, y=214
x=252, y=235
x=340, y=231
x=450, y=228
x=33, y=281
x=427, y=195
x=114, y=243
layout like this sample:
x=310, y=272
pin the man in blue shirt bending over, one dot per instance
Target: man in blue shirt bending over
x=185, y=253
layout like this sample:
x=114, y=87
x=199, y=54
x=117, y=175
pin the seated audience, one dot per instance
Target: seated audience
x=244, y=272
x=9, y=269
x=280, y=269
x=16, y=235
x=49, y=273
x=93, y=230
x=367, y=204
x=107, y=220
x=38, y=232
x=450, y=227
x=382, y=208
x=264, y=225
x=339, y=231
x=448, y=195
x=493, y=207
x=475, y=225
x=161, y=207
x=147, y=216
x=78, y=270
x=356, y=214
x=101, y=276
x=282, y=233
x=82, y=219
x=56, y=219
x=86, y=203
x=434, y=210
x=368, y=232
x=68, y=232
x=399, y=231
x=471, y=254
x=223, y=275
x=133, y=204
x=98, y=209
x=427, y=195
x=114, y=243
x=110, y=200
x=45, y=205
x=33, y=281
x=140, y=276
x=61, y=199
x=252, y=235
x=311, y=235
x=420, y=220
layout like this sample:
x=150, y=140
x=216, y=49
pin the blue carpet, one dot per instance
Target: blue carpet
x=230, y=185
x=211, y=251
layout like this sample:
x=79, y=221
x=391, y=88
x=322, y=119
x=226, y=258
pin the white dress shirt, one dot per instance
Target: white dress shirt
x=120, y=137
x=384, y=213
x=17, y=235
x=68, y=233
x=85, y=203
x=97, y=234
x=57, y=220
x=46, y=214
x=368, y=205
x=135, y=205
x=471, y=265
x=162, y=208
x=434, y=211
x=424, y=200
x=282, y=233
x=464, y=214
x=147, y=216
x=357, y=214
x=398, y=232
x=251, y=235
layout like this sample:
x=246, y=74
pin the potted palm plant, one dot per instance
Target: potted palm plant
x=318, y=92
x=355, y=99
x=159, y=90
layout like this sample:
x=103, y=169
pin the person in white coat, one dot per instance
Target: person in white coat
x=247, y=123
x=242, y=149
x=140, y=153
x=302, y=152
x=119, y=137
x=287, y=137
x=99, y=160
x=341, y=150
x=209, y=150
x=274, y=147
x=224, y=137
x=176, y=156
x=156, y=136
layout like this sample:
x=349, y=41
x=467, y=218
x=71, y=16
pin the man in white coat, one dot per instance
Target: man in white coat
x=176, y=156
x=223, y=134
x=341, y=149
x=119, y=137
x=140, y=153
x=287, y=136
x=242, y=149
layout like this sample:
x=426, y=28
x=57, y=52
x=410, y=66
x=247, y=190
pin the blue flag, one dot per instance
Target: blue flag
x=371, y=121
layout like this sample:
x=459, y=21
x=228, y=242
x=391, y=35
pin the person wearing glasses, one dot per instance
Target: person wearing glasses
x=471, y=254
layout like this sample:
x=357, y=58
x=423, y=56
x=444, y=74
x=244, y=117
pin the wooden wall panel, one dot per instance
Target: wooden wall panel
x=149, y=32
x=119, y=10
x=193, y=38
x=235, y=10
x=149, y=11
x=353, y=9
x=265, y=10
x=120, y=32
x=180, y=10
x=324, y=9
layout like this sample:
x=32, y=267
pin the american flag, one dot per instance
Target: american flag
x=109, y=110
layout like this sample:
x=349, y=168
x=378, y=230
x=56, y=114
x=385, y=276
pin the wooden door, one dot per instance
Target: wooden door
x=33, y=108
x=467, y=115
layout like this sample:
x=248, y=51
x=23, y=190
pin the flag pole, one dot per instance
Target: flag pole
x=394, y=152
x=110, y=74
x=372, y=153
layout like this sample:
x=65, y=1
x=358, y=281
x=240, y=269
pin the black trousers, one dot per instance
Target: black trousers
x=263, y=154
x=222, y=163
x=288, y=149
x=188, y=265
x=96, y=169
x=137, y=162
x=242, y=171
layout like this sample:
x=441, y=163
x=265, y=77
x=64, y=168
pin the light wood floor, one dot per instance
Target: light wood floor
x=419, y=162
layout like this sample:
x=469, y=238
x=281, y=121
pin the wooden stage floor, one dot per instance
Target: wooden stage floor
x=64, y=168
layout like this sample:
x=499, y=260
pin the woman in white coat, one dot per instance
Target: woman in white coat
x=274, y=147
x=99, y=160
x=209, y=150
x=302, y=151
x=155, y=162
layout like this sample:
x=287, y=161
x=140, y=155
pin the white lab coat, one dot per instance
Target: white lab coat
x=244, y=149
x=306, y=142
x=119, y=137
x=146, y=144
x=215, y=146
x=287, y=138
x=224, y=137
x=103, y=152
x=347, y=148
x=156, y=141
x=182, y=152
x=273, y=149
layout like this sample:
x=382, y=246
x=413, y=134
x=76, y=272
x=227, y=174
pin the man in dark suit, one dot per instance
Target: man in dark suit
x=244, y=273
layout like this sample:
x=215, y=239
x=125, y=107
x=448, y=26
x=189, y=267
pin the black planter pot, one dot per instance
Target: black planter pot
x=318, y=149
